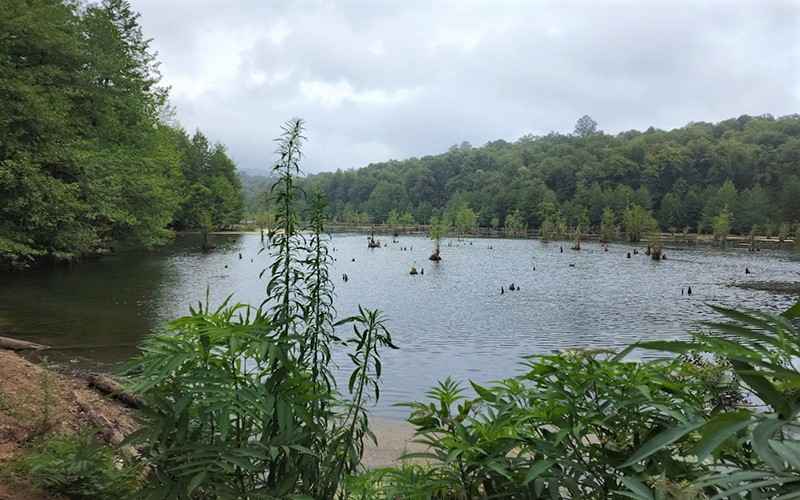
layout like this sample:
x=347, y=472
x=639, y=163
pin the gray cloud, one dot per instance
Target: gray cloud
x=379, y=80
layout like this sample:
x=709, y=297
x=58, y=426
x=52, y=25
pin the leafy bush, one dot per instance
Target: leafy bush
x=79, y=467
x=591, y=424
x=563, y=427
x=753, y=451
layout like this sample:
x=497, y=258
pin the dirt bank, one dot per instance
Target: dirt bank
x=36, y=401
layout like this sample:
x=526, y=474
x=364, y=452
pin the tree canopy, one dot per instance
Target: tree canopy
x=682, y=177
x=87, y=158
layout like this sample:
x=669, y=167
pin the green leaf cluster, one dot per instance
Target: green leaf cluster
x=79, y=467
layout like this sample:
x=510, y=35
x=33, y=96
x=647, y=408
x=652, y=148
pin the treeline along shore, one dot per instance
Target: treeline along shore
x=678, y=239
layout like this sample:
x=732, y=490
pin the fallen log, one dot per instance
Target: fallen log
x=20, y=345
x=110, y=432
x=111, y=387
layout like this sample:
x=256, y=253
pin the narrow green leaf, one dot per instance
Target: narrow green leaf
x=483, y=392
x=763, y=388
x=717, y=430
x=537, y=470
x=499, y=469
x=196, y=481
x=789, y=451
x=789, y=496
x=662, y=440
x=762, y=434
x=637, y=487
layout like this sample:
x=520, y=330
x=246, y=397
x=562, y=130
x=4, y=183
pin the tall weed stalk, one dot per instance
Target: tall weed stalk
x=242, y=402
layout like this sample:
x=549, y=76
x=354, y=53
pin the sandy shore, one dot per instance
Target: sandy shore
x=394, y=439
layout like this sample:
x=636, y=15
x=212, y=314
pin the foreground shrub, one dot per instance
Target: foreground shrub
x=754, y=451
x=79, y=467
x=719, y=420
x=560, y=429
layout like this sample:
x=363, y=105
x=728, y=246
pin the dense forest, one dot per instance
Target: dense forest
x=742, y=174
x=90, y=157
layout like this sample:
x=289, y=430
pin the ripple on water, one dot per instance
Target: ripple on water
x=450, y=321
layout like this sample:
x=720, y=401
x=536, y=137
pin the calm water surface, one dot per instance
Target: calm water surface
x=451, y=321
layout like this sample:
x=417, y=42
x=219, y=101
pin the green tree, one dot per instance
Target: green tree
x=670, y=213
x=515, y=224
x=406, y=218
x=608, y=226
x=86, y=160
x=210, y=167
x=755, y=208
x=594, y=171
x=393, y=219
x=465, y=220
x=637, y=222
x=385, y=197
x=585, y=126
x=439, y=228
x=265, y=220
x=725, y=198
x=721, y=225
x=783, y=231
x=643, y=198
x=789, y=197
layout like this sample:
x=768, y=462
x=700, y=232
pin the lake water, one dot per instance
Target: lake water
x=450, y=321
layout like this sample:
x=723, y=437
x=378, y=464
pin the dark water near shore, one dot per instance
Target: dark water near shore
x=451, y=321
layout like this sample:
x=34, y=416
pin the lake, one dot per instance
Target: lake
x=450, y=321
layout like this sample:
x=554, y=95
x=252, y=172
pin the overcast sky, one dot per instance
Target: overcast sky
x=379, y=80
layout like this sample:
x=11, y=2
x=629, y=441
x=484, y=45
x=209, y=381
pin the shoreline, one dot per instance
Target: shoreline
x=70, y=403
x=679, y=240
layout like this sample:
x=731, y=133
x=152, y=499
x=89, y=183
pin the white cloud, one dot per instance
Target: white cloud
x=377, y=48
x=407, y=78
x=279, y=32
x=333, y=95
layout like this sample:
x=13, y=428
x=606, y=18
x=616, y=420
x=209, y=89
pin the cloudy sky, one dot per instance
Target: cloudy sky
x=378, y=80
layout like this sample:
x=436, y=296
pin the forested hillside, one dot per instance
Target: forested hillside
x=747, y=169
x=88, y=157
x=255, y=191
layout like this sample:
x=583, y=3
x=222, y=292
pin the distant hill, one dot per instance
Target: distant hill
x=748, y=166
x=255, y=188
